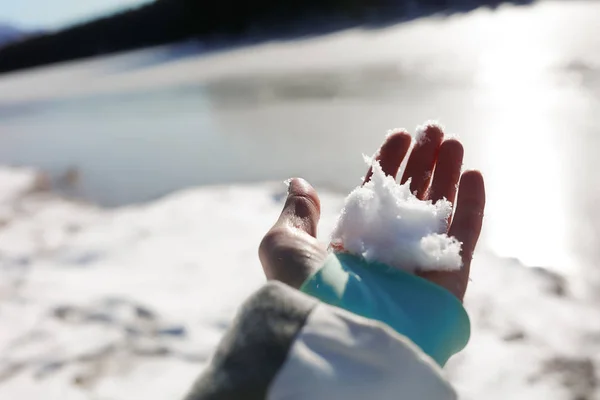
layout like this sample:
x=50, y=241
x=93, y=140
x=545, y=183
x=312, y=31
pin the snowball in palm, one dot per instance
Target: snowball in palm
x=383, y=221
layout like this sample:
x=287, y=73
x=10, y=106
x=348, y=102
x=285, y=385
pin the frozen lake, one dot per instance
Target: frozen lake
x=520, y=87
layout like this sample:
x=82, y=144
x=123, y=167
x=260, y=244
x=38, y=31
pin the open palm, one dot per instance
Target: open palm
x=290, y=251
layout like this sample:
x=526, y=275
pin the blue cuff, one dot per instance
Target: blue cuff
x=426, y=313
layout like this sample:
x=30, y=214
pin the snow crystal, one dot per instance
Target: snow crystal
x=393, y=131
x=422, y=129
x=383, y=221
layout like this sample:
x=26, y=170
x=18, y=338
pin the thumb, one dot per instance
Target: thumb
x=302, y=207
x=290, y=252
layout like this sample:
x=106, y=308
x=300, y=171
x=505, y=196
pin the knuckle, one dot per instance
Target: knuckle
x=303, y=206
x=272, y=240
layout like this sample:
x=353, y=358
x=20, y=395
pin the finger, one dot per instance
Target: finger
x=447, y=172
x=422, y=159
x=466, y=229
x=302, y=207
x=289, y=252
x=391, y=153
x=468, y=217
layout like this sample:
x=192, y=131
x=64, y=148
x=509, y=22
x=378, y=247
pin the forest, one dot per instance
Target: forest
x=166, y=21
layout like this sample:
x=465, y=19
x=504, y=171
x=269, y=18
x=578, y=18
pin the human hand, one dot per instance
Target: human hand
x=290, y=251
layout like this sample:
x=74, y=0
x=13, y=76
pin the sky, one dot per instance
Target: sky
x=55, y=14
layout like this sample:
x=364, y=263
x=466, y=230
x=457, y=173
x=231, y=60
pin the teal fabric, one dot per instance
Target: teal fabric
x=426, y=313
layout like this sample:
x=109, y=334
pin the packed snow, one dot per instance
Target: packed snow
x=383, y=221
x=129, y=303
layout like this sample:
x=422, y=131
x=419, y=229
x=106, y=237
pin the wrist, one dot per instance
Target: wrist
x=426, y=313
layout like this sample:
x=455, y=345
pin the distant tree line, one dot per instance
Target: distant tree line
x=165, y=21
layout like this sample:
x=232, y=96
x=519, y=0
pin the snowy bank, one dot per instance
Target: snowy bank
x=128, y=303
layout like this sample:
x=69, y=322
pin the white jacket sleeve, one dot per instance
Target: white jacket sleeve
x=287, y=345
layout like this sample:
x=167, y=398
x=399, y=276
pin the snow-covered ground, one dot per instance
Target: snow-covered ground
x=128, y=303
